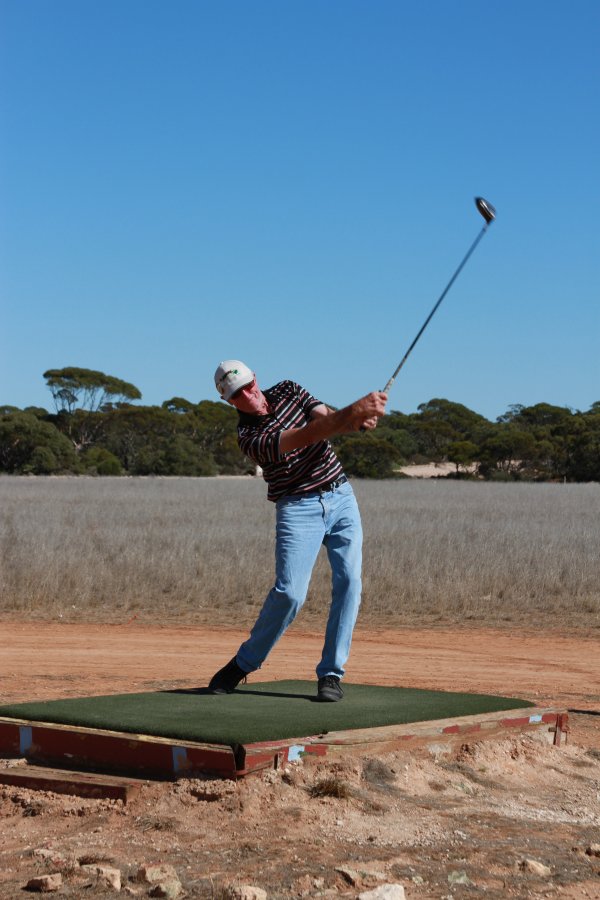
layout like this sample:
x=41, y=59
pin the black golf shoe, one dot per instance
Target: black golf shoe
x=227, y=679
x=330, y=689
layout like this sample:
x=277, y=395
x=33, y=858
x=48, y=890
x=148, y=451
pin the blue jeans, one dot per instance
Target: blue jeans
x=303, y=524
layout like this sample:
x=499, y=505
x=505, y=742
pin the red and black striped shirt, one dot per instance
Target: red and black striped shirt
x=299, y=471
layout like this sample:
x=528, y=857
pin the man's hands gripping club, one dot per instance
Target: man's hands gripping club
x=360, y=415
x=367, y=411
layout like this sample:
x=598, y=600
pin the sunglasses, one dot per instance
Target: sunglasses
x=241, y=390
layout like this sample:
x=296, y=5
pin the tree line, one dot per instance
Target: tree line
x=99, y=428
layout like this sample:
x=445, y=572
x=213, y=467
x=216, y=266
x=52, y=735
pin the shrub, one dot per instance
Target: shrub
x=98, y=461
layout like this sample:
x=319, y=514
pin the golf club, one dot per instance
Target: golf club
x=489, y=214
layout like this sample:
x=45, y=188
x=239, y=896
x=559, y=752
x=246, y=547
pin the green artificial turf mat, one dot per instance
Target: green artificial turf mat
x=260, y=711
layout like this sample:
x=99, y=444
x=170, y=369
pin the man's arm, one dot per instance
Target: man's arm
x=323, y=410
x=325, y=423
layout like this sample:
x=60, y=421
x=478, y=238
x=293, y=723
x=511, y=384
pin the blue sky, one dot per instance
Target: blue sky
x=291, y=183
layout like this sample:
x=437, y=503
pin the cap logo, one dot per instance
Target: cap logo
x=230, y=372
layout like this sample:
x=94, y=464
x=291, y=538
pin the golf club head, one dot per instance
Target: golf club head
x=486, y=209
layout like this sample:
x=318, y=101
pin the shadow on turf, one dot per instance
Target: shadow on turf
x=203, y=691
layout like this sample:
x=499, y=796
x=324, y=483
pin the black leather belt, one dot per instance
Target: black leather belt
x=332, y=485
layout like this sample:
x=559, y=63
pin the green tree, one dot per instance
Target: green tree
x=81, y=396
x=30, y=445
x=462, y=454
x=540, y=415
x=43, y=461
x=213, y=426
x=394, y=428
x=508, y=449
x=553, y=429
x=441, y=422
x=99, y=461
x=367, y=456
x=184, y=457
x=178, y=405
x=150, y=440
x=137, y=436
x=584, y=448
x=74, y=388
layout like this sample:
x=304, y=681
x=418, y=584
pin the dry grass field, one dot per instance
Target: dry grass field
x=201, y=551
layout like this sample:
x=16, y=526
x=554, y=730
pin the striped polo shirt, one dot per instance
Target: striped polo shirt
x=299, y=471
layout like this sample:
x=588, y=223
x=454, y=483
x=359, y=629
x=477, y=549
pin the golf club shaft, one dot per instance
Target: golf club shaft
x=431, y=314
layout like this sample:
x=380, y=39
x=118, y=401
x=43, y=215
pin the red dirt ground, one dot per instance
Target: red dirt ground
x=415, y=821
x=50, y=661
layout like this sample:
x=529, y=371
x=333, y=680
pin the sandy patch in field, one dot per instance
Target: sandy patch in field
x=434, y=470
x=414, y=820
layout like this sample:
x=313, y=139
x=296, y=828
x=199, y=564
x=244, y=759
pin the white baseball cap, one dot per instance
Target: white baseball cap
x=231, y=375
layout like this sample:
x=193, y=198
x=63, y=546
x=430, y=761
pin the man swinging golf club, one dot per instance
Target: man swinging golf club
x=285, y=430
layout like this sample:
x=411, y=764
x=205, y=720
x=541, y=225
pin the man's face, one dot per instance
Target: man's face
x=250, y=399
